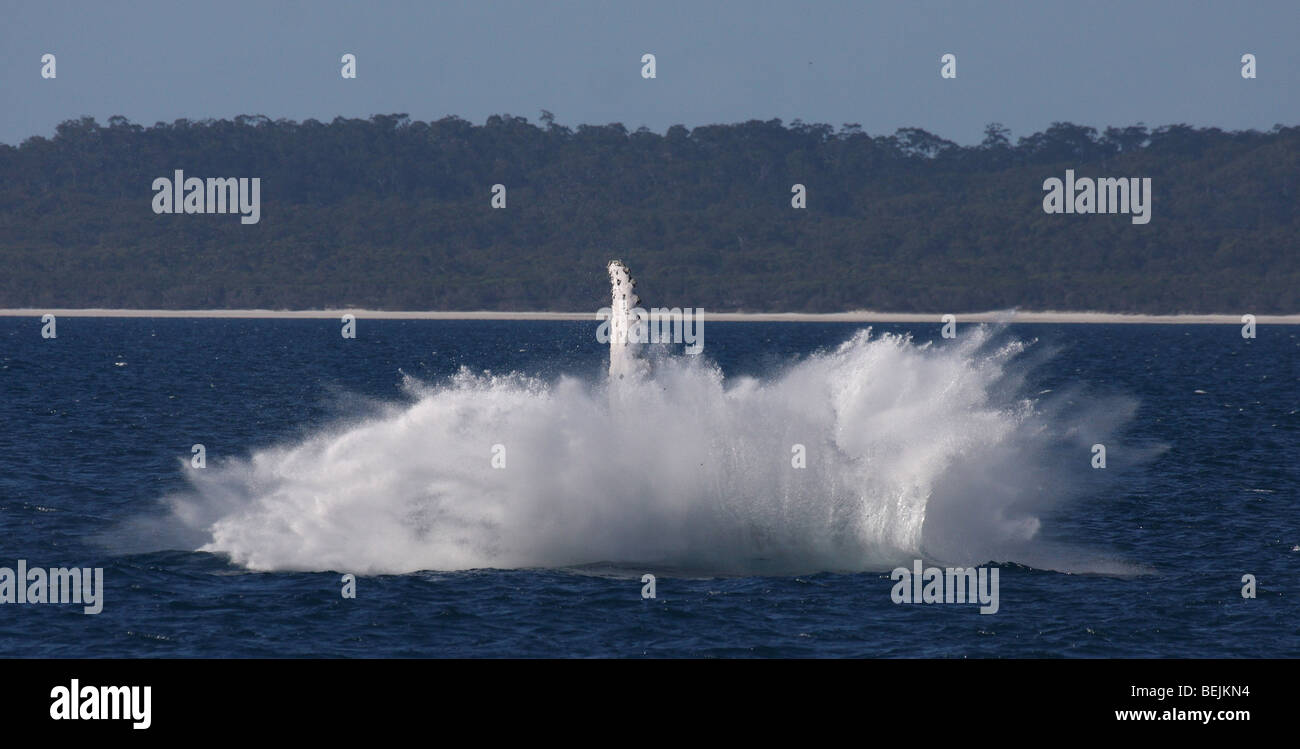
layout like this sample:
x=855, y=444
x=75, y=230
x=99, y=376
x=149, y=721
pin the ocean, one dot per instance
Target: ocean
x=493, y=495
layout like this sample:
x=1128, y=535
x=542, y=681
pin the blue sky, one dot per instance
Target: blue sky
x=1025, y=64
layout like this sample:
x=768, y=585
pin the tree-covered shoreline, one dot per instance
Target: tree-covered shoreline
x=389, y=213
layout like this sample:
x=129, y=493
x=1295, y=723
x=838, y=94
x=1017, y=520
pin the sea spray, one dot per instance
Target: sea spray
x=911, y=450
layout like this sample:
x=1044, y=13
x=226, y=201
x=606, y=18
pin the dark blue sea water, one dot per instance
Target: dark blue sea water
x=99, y=423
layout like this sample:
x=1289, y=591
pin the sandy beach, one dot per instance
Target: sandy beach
x=861, y=316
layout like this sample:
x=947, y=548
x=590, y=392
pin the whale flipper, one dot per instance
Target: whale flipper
x=624, y=341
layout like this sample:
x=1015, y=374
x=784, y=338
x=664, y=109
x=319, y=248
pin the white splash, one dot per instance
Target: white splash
x=910, y=450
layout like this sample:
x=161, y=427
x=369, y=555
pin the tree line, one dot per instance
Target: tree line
x=392, y=213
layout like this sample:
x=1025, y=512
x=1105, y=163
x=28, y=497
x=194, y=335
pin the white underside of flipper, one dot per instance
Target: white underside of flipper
x=624, y=349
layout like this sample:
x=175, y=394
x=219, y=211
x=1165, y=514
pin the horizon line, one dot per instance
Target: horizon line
x=856, y=316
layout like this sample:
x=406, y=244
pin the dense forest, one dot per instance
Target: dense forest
x=391, y=213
